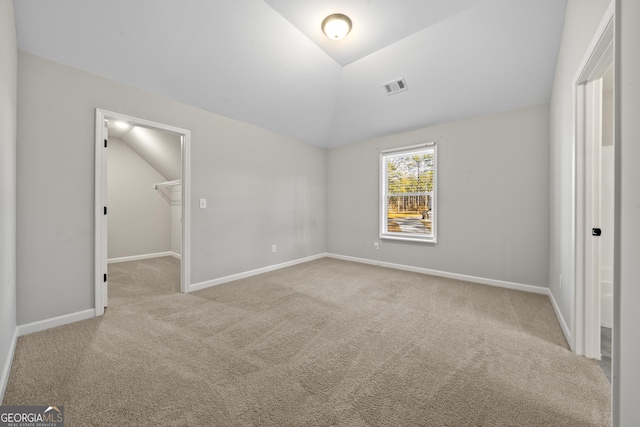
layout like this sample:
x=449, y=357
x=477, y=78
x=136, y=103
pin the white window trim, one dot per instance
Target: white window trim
x=383, y=206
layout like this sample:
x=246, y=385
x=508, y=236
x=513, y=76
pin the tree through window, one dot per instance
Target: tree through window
x=408, y=193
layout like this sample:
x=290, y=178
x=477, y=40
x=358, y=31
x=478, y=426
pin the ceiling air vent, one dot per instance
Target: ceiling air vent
x=395, y=86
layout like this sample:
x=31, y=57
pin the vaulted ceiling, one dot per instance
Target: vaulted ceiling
x=266, y=62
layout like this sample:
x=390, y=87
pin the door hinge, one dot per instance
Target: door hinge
x=105, y=143
x=105, y=277
x=105, y=210
x=596, y=232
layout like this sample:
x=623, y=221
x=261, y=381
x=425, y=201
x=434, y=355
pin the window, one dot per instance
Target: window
x=408, y=193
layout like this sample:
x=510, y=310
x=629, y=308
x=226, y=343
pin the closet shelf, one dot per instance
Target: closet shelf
x=165, y=190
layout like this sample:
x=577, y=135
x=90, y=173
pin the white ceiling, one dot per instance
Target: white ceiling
x=264, y=62
x=376, y=23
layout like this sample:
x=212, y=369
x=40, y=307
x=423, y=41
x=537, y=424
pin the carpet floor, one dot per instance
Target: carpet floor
x=324, y=343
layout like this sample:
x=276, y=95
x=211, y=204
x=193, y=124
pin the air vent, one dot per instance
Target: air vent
x=395, y=86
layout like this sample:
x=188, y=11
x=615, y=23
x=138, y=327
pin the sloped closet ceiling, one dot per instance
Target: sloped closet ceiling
x=161, y=150
x=264, y=63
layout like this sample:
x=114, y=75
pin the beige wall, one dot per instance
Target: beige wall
x=139, y=219
x=8, y=70
x=581, y=21
x=262, y=188
x=493, y=198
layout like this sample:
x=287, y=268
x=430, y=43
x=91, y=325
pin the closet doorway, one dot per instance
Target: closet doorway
x=151, y=184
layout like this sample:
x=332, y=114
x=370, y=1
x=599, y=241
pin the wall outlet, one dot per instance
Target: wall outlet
x=273, y=248
x=203, y=203
x=376, y=245
x=561, y=282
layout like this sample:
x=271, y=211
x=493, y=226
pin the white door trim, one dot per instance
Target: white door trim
x=100, y=260
x=599, y=56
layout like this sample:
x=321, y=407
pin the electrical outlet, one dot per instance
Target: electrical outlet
x=273, y=248
x=376, y=245
x=203, y=203
x=561, y=282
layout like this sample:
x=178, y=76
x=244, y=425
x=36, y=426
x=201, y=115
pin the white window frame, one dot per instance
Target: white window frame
x=384, y=205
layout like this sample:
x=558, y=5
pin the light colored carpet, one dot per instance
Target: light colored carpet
x=325, y=343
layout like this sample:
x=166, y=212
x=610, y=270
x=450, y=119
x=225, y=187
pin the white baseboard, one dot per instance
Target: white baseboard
x=231, y=278
x=463, y=277
x=41, y=325
x=175, y=255
x=143, y=256
x=563, y=324
x=6, y=369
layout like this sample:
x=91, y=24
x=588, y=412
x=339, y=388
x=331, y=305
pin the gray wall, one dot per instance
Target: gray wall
x=493, y=198
x=262, y=188
x=8, y=76
x=581, y=21
x=139, y=218
x=626, y=350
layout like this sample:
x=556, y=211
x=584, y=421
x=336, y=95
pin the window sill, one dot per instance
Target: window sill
x=414, y=239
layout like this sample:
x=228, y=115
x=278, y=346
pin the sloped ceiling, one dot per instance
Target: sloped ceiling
x=161, y=150
x=264, y=62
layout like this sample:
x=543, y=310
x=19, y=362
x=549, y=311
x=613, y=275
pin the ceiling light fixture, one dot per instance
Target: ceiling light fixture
x=121, y=124
x=336, y=26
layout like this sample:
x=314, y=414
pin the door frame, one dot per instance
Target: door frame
x=100, y=260
x=599, y=56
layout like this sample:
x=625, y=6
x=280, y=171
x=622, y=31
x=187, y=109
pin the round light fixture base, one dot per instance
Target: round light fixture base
x=336, y=26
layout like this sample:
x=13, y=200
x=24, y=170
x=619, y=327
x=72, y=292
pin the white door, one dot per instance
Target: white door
x=607, y=192
x=598, y=58
x=593, y=154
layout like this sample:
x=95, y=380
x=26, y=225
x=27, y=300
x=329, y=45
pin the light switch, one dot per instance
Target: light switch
x=203, y=203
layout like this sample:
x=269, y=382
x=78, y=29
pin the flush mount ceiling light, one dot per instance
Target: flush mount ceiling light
x=336, y=26
x=121, y=124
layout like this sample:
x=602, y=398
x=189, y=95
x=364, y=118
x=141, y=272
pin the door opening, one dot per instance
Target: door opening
x=180, y=187
x=588, y=226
